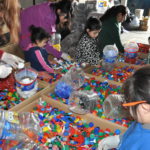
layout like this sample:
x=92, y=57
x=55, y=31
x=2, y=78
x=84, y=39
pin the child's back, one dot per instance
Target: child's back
x=36, y=53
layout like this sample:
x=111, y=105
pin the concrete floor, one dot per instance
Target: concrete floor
x=136, y=36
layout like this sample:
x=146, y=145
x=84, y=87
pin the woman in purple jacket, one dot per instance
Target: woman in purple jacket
x=44, y=15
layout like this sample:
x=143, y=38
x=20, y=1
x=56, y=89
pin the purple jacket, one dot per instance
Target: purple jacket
x=39, y=15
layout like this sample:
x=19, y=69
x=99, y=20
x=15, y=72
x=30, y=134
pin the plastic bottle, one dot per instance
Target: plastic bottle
x=23, y=127
x=55, y=41
x=110, y=53
x=113, y=108
x=131, y=52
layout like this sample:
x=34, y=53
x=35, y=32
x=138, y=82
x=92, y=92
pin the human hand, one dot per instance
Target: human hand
x=11, y=59
x=5, y=71
x=109, y=143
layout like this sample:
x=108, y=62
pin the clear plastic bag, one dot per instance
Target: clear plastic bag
x=113, y=108
x=71, y=81
x=83, y=101
x=23, y=127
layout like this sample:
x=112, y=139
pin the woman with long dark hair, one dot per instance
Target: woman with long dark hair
x=110, y=33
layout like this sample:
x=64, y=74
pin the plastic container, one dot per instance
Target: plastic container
x=131, y=52
x=26, y=82
x=23, y=128
x=82, y=102
x=102, y=6
x=113, y=108
x=55, y=41
x=110, y=54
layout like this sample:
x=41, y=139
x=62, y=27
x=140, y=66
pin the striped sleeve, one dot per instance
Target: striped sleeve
x=42, y=61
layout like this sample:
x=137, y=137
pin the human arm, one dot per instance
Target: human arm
x=109, y=143
x=44, y=63
x=10, y=59
x=116, y=37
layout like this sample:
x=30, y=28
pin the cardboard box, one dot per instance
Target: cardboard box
x=89, y=69
x=98, y=122
x=29, y=104
x=50, y=89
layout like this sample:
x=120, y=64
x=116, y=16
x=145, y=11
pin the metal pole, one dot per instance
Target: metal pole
x=33, y=2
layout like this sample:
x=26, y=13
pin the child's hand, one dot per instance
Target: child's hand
x=109, y=143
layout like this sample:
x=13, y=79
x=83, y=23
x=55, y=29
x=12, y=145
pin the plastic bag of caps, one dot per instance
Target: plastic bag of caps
x=71, y=81
x=20, y=127
x=82, y=102
x=113, y=108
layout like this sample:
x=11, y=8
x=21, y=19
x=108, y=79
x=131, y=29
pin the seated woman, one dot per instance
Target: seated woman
x=110, y=33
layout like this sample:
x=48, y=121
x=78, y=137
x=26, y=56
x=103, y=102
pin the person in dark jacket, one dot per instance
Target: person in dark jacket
x=110, y=33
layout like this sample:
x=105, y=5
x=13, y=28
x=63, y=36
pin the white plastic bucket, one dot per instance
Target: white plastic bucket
x=26, y=82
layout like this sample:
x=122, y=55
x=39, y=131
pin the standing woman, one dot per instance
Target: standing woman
x=46, y=15
x=110, y=33
x=9, y=32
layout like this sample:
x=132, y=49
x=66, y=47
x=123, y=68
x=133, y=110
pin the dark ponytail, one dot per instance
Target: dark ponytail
x=32, y=28
x=113, y=12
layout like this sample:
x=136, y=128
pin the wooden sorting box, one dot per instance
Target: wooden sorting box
x=98, y=122
x=41, y=84
x=103, y=123
x=89, y=69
